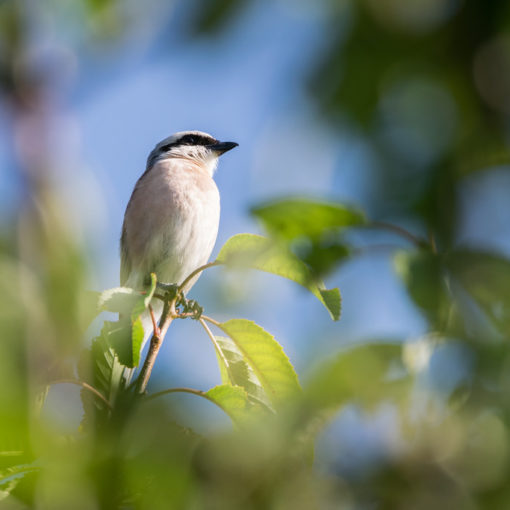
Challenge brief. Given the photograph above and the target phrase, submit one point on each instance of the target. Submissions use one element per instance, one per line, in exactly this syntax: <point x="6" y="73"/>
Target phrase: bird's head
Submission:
<point x="196" y="146"/>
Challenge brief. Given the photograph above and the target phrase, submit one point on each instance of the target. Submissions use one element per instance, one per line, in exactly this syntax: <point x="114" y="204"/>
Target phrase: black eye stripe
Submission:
<point x="196" y="140"/>
<point x="189" y="140"/>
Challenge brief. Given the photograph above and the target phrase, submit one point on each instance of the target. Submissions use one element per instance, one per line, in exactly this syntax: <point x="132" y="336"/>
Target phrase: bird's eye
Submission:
<point x="166" y="148"/>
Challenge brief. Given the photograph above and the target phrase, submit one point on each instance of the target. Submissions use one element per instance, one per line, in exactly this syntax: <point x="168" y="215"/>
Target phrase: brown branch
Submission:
<point x="159" y="332"/>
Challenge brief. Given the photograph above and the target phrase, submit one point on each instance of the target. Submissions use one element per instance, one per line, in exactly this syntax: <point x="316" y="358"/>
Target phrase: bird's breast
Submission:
<point x="172" y="220"/>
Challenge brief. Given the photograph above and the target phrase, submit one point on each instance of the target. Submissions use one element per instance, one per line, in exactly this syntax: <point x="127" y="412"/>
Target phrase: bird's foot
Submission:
<point x="191" y="308"/>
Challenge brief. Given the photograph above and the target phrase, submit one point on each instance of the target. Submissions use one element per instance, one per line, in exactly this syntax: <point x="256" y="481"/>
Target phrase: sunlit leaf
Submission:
<point x="232" y="399"/>
<point x="118" y="299"/>
<point x="266" y="358"/>
<point x="298" y="217"/>
<point x="137" y="335"/>
<point x="237" y="372"/>
<point x="125" y="300"/>
<point x="257" y="252"/>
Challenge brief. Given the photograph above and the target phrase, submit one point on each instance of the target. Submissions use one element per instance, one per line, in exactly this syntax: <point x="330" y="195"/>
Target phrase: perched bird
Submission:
<point x="171" y="220"/>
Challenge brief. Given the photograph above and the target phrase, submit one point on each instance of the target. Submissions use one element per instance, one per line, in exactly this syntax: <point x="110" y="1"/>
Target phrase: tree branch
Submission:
<point x="158" y="336"/>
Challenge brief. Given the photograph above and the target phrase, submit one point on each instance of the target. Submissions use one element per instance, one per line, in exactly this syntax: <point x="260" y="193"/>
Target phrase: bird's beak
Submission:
<point x="222" y="147"/>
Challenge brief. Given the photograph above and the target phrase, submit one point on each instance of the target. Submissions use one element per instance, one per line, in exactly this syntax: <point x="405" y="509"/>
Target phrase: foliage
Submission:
<point x="423" y="85"/>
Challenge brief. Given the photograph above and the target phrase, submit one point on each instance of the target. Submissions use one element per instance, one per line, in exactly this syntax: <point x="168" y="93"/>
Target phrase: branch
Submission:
<point x="158" y="336"/>
<point x="159" y="332"/>
<point x="85" y="386"/>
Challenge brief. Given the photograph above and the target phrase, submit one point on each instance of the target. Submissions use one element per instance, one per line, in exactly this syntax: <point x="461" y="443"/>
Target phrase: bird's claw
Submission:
<point x="190" y="306"/>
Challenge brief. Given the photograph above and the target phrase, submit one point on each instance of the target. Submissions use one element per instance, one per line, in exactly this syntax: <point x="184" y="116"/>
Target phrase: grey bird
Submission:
<point x="171" y="220"/>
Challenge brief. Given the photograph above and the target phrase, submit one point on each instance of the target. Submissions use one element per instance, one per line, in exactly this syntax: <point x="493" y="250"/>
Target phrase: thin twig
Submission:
<point x="190" y="277"/>
<point x="198" y="393"/>
<point x="176" y="390"/>
<point x="153" y="319"/>
<point x="218" y="349"/>
<point x="398" y="230"/>
<point x="85" y="386"/>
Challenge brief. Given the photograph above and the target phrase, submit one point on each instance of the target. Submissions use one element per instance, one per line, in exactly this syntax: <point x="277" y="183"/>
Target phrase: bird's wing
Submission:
<point x="125" y="261"/>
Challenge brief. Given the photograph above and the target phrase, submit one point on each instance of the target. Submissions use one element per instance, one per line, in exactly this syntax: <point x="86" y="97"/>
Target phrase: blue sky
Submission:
<point x="246" y="86"/>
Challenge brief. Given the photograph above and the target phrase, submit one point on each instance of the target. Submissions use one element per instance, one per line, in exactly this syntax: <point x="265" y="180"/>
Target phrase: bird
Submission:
<point x="172" y="218"/>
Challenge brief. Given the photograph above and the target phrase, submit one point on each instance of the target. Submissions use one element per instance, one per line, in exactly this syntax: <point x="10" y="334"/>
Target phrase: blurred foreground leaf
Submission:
<point x="486" y="277"/>
<point x="425" y="277"/>
<point x="11" y="476"/>
<point x="257" y="252"/>
<point x="232" y="399"/>
<point x="363" y="374"/>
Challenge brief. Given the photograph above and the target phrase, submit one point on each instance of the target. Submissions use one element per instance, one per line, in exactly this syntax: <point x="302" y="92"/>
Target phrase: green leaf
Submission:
<point x="118" y="300"/>
<point x="293" y="218"/>
<point x="137" y="334"/>
<point x="266" y="358"/>
<point x="361" y="374"/>
<point x="126" y="335"/>
<point x="232" y="399"/>
<point x="425" y="277"/>
<point x="486" y="277"/>
<point x="257" y="252"/>
<point x="101" y="367"/>
<point x="237" y="372"/>
<point x="126" y="301"/>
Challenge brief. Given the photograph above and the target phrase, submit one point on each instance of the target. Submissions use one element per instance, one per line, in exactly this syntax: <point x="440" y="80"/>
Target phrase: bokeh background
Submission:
<point x="398" y="108"/>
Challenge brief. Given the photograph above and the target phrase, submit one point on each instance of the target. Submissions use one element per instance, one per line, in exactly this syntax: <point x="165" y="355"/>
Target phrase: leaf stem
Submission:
<point x="419" y="242"/>
<point x="198" y="270"/>
<point x="218" y="350"/>
<point x="211" y="320"/>
<point x="192" y="391"/>
<point x="85" y="386"/>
